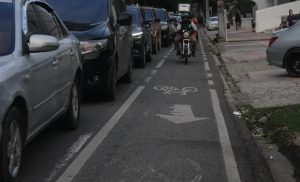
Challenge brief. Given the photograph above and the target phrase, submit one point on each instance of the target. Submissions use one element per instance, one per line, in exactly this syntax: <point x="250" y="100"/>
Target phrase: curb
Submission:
<point x="259" y="167"/>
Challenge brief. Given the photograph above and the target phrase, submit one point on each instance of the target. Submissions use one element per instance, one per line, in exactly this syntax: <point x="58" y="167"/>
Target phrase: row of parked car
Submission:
<point x="151" y="30"/>
<point x="51" y="52"/>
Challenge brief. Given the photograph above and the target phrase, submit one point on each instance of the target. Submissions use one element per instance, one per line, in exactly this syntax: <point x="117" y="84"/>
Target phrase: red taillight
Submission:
<point x="272" y="40"/>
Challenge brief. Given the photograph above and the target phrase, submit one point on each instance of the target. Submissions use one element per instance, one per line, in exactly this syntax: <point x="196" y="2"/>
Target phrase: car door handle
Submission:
<point x="55" y="62"/>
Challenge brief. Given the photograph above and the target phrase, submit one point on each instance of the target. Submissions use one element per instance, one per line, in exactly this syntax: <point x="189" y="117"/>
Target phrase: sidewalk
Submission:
<point x="259" y="85"/>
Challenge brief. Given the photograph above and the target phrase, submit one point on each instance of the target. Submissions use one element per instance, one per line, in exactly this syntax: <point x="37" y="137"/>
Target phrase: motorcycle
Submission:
<point x="185" y="46"/>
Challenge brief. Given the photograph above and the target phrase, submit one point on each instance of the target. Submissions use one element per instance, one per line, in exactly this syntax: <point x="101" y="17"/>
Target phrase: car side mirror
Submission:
<point x="156" y="20"/>
<point x="42" y="43"/>
<point x="125" y="19"/>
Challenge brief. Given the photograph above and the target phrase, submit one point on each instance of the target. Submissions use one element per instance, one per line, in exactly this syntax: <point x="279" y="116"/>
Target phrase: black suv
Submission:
<point x="141" y="34"/>
<point x="166" y="30"/>
<point x="104" y="30"/>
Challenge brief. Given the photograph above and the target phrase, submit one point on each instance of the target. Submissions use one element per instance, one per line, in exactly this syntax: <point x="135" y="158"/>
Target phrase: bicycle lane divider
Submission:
<point x="162" y="61"/>
<point x="74" y="168"/>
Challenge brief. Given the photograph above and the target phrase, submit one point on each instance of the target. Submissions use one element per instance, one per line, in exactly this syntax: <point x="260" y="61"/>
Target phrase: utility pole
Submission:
<point x="222" y="23"/>
<point x="206" y="10"/>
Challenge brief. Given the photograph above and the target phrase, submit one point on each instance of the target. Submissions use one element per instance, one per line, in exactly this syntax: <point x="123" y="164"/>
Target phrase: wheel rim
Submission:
<point x="296" y="66"/>
<point x="75" y="101"/>
<point x="14" y="149"/>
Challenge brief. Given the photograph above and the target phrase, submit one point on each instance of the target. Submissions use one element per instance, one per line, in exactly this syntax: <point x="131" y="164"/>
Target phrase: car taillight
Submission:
<point x="272" y="40"/>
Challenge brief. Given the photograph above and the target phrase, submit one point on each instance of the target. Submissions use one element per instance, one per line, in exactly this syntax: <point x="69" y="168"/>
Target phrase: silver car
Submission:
<point x="212" y="23"/>
<point x="284" y="49"/>
<point x="40" y="72"/>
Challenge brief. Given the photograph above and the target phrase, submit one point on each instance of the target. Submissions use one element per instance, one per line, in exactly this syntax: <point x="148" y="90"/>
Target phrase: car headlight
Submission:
<point x="186" y="35"/>
<point x="164" y="27"/>
<point x="137" y="35"/>
<point x="92" y="45"/>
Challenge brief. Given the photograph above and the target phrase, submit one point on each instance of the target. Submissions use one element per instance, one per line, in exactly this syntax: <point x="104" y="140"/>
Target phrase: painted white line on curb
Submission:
<point x="160" y="63"/>
<point x="69" y="155"/>
<point x="87" y="152"/>
<point x="148" y="79"/>
<point x="217" y="62"/>
<point x="209" y="75"/>
<point x="153" y="72"/>
<point x="229" y="159"/>
<point x="207" y="68"/>
<point x="211" y="83"/>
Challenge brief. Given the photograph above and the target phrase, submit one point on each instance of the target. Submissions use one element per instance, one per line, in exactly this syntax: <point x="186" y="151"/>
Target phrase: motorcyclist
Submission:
<point x="186" y="24"/>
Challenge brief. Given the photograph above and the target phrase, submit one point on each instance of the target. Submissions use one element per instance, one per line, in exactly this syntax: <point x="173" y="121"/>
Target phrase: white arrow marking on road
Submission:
<point x="182" y="114"/>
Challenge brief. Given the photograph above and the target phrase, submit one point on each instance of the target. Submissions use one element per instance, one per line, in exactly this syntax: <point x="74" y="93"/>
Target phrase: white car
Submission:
<point x="212" y="23"/>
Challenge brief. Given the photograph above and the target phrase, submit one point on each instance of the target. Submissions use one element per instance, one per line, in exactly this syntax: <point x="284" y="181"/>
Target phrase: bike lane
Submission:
<point x="168" y="133"/>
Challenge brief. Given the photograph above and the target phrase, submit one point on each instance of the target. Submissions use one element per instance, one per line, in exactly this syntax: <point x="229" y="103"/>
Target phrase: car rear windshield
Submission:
<point x="135" y="16"/>
<point x="81" y="12"/>
<point x="214" y="19"/>
<point x="148" y="14"/>
<point x="161" y="15"/>
<point x="7" y="28"/>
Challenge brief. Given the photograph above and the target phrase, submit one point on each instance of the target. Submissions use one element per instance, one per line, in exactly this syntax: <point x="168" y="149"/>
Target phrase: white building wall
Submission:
<point x="270" y="18"/>
<point x="262" y="4"/>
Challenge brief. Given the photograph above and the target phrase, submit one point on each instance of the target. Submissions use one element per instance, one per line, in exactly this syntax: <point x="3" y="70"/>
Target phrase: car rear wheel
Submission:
<point x="11" y="146"/>
<point x="292" y="65"/>
<point x="71" y="117"/>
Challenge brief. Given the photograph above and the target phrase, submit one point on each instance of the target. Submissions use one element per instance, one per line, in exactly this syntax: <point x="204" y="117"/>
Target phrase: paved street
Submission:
<point x="172" y="124"/>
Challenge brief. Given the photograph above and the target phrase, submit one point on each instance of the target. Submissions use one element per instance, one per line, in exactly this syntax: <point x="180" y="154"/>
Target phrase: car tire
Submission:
<point x="142" y="60"/>
<point x="71" y="117"/>
<point x="148" y="56"/>
<point x="159" y="44"/>
<point x="292" y="65"/>
<point x="154" y="47"/>
<point x="111" y="92"/>
<point x="127" y="78"/>
<point x="12" y="137"/>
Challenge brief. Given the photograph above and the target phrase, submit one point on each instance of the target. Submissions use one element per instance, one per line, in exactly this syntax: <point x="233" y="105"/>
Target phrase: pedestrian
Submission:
<point x="291" y="19"/>
<point x="238" y="20"/>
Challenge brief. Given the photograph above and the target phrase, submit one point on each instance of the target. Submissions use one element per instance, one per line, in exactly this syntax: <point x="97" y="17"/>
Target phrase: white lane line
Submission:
<point x="207" y="68"/>
<point x="153" y="72"/>
<point x="229" y="159"/>
<point x="86" y="153"/>
<point x="148" y="79"/>
<point x="209" y="75"/>
<point x="211" y="83"/>
<point x="205" y="59"/>
<point x="160" y="63"/>
<point x="217" y="62"/>
<point x="69" y="155"/>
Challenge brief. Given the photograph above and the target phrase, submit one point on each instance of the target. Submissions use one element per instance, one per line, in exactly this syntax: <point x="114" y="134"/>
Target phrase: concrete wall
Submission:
<point x="262" y="4"/>
<point x="270" y="18"/>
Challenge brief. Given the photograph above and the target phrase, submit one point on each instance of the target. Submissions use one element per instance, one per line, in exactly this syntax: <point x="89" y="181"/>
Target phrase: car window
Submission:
<point x="80" y="12"/>
<point x="148" y="14"/>
<point x="7" y="29"/>
<point x="33" y="24"/>
<point x="136" y="20"/>
<point x="161" y="15"/>
<point x="62" y="31"/>
<point x="47" y="21"/>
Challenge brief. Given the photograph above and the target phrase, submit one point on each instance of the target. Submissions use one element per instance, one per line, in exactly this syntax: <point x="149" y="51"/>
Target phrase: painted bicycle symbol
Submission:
<point x="173" y="90"/>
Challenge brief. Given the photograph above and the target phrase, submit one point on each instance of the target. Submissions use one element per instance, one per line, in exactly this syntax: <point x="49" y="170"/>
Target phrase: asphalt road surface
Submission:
<point x="172" y="124"/>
